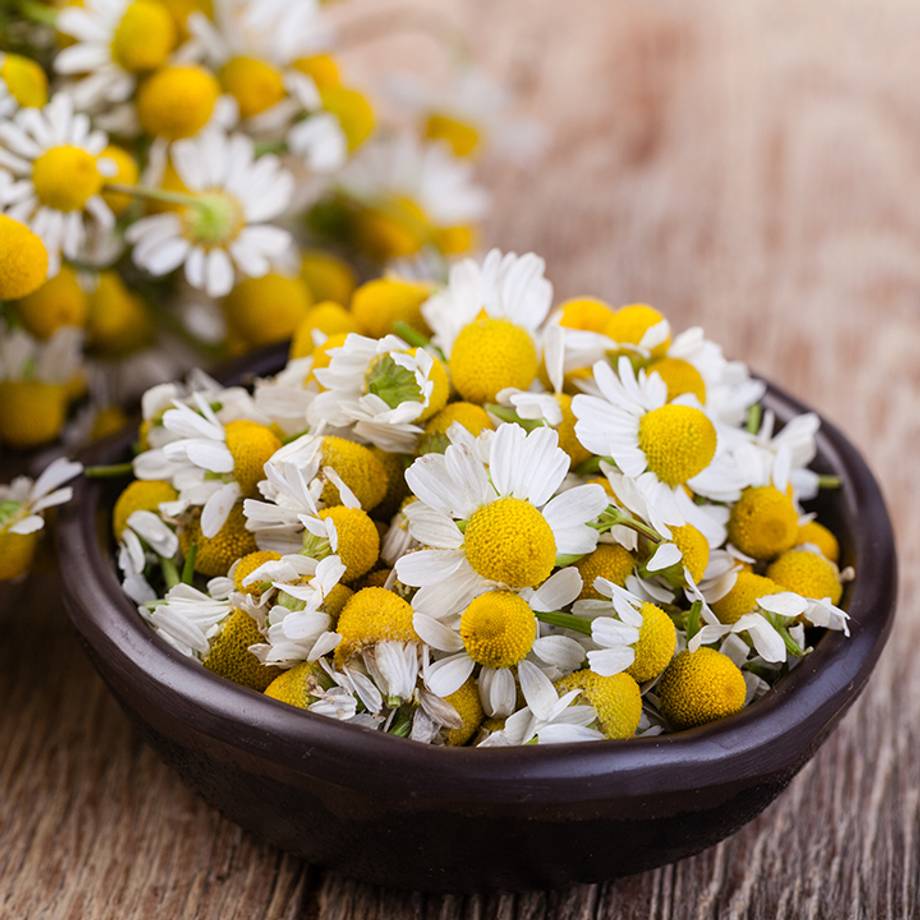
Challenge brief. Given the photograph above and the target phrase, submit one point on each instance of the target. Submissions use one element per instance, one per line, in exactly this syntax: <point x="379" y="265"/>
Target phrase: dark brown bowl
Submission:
<point x="399" y="813"/>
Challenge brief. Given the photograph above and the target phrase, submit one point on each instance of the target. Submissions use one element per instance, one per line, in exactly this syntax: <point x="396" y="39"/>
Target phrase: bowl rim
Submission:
<point x="765" y="738"/>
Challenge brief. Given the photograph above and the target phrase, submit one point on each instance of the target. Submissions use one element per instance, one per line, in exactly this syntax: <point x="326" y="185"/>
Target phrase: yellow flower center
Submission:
<point x="629" y="324"/>
<point x="694" y="547"/>
<point x="255" y="84"/>
<point x="616" y="699"/>
<point x="358" y="539"/>
<point x="23" y="259"/>
<point x="327" y="318"/>
<point x="267" y="309"/>
<point x="808" y="574"/>
<point x="251" y="445"/>
<point x="699" y="687"/>
<point x="498" y="629"/>
<point x="117" y="321"/>
<point x="489" y="355"/>
<point x="509" y="541"/>
<point x="440" y="390"/>
<point x="25" y="80"/>
<point x="360" y="470"/>
<point x="295" y="686"/>
<point x="473" y="418"/>
<point x="66" y="177"/>
<point x="229" y="654"/>
<point x="680" y="377"/>
<point x="16" y="553"/>
<point x="328" y="277"/>
<point x="655" y="648"/>
<point x="455" y="240"/>
<point x="373" y="615"/>
<point x="818" y="535"/>
<point x="468" y="706"/>
<point x="763" y="522"/>
<point x="608" y="561"/>
<point x="60" y="301"/>
<point x="32" y="412"/>
<point x="323" y="69"/>
<point x="587" y="314"/>
<point x="566" y="431"/>
<point x="177" y="101"/>
<point x="378" y="305"/>
<point x="247" y="565"/>
<point x="678" y="442"/>
<point x="140" y="495"/>
<point x="353" y="110"/>
<point x="144" y="37"/>
<point x="216" y="554"/>
<point x="393" y="228"/>
<point x="461" y="136"/>
<point x="126" y="173"/>
<point x="322" y="354"/>
<point x="215" y="220"/>
<point x="742" y="598"/>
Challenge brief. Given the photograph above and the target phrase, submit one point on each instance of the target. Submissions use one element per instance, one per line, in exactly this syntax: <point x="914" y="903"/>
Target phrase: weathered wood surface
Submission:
<point x="753" y="167"/>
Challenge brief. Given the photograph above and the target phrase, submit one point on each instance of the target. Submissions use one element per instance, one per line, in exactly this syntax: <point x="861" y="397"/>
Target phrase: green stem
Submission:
<point x="170" y="572"/>
<point x="614" y="516"/>
<point x="263" y="147"/>
<point x="410" y="334"/>
<point x="112" y="471"/>
<point x="693" y="619"/>
<point x="188" y="566"/>
<point x="154" y="194"/>
<point x="507" y="414"/>
<point x="565" y="620"/>
<point x="590" y="466"/>
<point x="829" y="482"/>
<point x="754" y="416"/>
<point x="38" y="12"/>
<point x="791" y="645"/>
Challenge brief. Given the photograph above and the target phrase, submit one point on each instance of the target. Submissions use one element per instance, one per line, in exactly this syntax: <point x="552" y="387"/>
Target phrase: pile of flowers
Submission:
<point x="202" y="176"/>
<point x="469" y="516"/>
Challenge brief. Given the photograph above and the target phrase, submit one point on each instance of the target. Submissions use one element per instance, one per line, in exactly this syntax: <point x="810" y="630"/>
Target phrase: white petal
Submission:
<point x="664" y="557"/>
<point x="558" y="590"/>
<point x="217" y="509"/>
<point x="449" y="674"/>
<point x="609" y="661"/>
<point x="436" y="634"/>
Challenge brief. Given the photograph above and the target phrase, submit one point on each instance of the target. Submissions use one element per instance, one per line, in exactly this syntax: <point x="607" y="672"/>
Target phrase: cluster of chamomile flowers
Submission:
<point x="201" y="173"/>
<point x="467" y="516"/>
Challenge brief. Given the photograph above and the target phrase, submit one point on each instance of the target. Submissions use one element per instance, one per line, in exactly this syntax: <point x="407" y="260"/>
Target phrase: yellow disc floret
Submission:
<point x="23" y="259"/>
<point x="216" y="554"/>
<point x="336" y="600"/>
<point x="694" y="548"/>
<point x="586" y="313"/>
<point x="808" y="574"/>
<point x="17" y="550"/>
<point x="397" y="489"/>
<point x="360" y="470"/>
<point x="140" y="495"/>
<point x="267" y="309"/>
<point x="144" y="37"/>
<point x="630" y="323"/>
<point x="247" y="565"/>
<point x="440" y="390"/>
<point x="510" y="542"/>
<point x="566" y="431"/>
<point x="700" y="687"/>
<point x="255" y="84"/>
<point x="818" y="535"/>
<point x="25" y="80"/>
<point x="743" y="596"/>
<point x="66" y="177"/>
<point x="473" y="418"/>
<point x="460" y="135"/>
<point x="373" y="615"/>
<point x="322" y="354"/>
<point x="327" y="276"/>
<point x="120" y="167"/>
<point x="378" y="305"/>
<point x="655" y="648"/>
<point x="678" y="442"/>
<point x="327" y="318"/>
<point x="60" y="301"/>
<point x="469" y="708"/>
<point x="498" y="629"/>
<point x="680" y="377"/>
<point x="489" y="355"/>
<point x="763" y="522"/>
<point x="323" y="69"/>
<point x="177" y="101"/>
<point x="31" y="412"/>
<point x="251" y="445"/>
<point x="229" y="654"/>
<point x="353" y="111"/>
<point x="117" y="320"/>
<point x="358" y="539"/>
<point x="608" y="561"/>
<point x="616" y="700"/>
<point x="296" y="687"/>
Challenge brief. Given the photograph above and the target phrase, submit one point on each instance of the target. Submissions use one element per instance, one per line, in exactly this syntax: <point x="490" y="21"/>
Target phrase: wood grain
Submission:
<point x="751" y="167"/>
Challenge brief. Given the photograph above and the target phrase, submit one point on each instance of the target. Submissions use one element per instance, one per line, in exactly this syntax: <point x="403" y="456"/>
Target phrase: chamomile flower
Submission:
<point x="22" y="504"/>
<point x="486" y="509"/>
<point x="381" y="388"/>
<point x="114" y="43"/>
<point x="410" y="195"/>
<point x="54" y="158"/>
<point x="224" y="230"/>
<point x="188" y="618"/>
<point x="499" y="632"/>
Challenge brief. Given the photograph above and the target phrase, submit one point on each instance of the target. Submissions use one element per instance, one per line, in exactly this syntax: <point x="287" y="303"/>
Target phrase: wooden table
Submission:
<point x="752" y="167"/>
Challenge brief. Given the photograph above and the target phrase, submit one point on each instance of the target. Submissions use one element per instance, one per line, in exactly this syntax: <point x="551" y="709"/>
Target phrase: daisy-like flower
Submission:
<point x="146" y="535"/>
<point x="210" y="463"/>
<point x="381" y="388"/>
<point x="54" y="158"/>
<point x="23" y="84"/>
<point x="114" y="43"/>
<point x="223" y="229"/>
<point x="412" y="195"/>
<point x="486" y="509"/>
<point x="22" y="506"/>
<point x="499" y="631"/>
<point x="188" y="618"/>
<point x="632" y="421"/>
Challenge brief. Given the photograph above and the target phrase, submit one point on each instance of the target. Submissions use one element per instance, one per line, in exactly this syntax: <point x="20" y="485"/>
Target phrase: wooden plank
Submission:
<point x="748" y="167"/>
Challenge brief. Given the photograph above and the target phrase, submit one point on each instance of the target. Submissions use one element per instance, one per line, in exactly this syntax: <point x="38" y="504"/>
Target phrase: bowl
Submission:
<point x="398" y="813"/>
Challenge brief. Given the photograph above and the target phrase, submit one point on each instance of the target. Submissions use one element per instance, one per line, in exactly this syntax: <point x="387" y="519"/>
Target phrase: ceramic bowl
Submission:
<point x="398" y="813"/>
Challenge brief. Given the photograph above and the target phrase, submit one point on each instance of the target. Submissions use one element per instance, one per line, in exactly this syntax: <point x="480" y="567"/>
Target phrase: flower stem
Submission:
<point x="565" y="620"/>
<point x="112" y="471"/>
<point x="38" y="12"/>
<point x="614" y="516"/>
<point x="829" y="482"/>
<point x="693" y="619"/>
<point x="188" y="566"/>
<point x="507" y="414"/>
<point x="410" y="334"/>
<point x="754" y="416"/>
<point x="154" y="194"/>
<point x="170" y="572"/>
